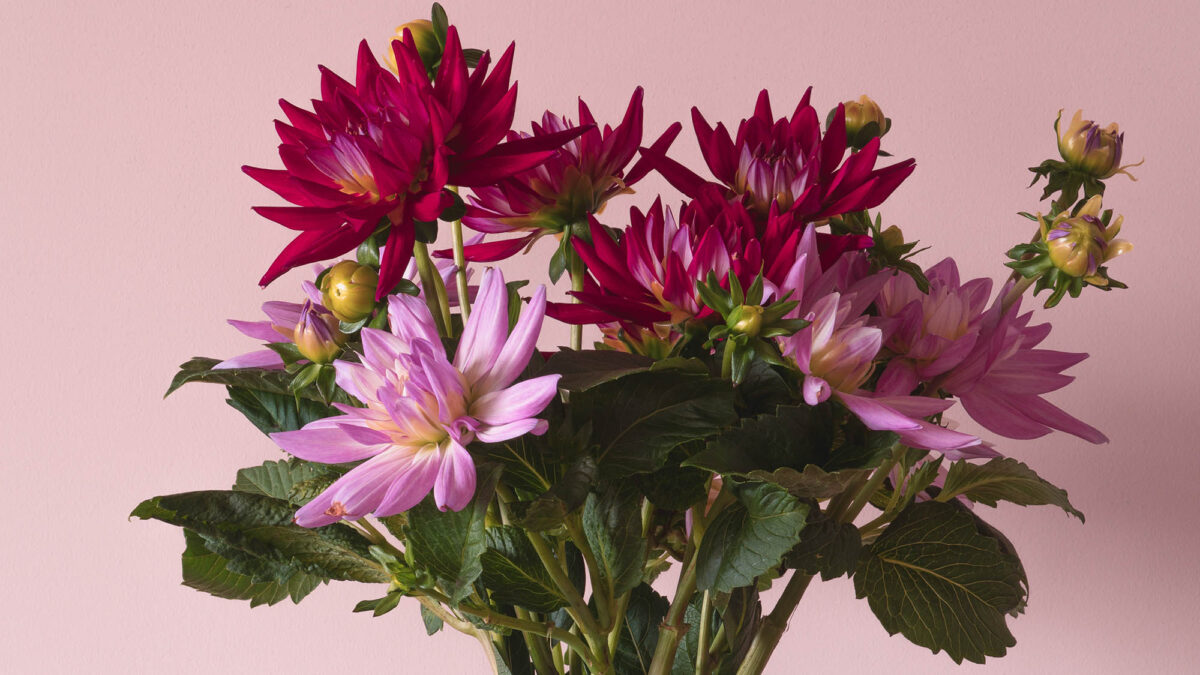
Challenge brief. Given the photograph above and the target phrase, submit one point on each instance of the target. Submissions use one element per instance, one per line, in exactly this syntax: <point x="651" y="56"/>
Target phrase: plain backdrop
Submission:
<point x="128" y="240"/>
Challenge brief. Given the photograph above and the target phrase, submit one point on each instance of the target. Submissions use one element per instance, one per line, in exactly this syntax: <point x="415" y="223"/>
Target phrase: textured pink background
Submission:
<point x="128" y="240"/>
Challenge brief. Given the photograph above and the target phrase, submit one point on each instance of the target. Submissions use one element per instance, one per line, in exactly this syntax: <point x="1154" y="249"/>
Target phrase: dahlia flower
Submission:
<point x="1078" y="245"/>
<point x="385" y="147"/>
<point x="422" y="410"/>
<point x="929" y="333"/>
<point x="788" y="163"/>
<point x="836" y="353"/>
<point x="1000" y="382"/>
<point x="574" y="183"/>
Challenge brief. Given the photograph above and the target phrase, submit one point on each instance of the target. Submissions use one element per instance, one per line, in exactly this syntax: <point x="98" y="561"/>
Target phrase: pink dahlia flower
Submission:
<point x="1002" y="379"/>
<point x="280" y="326"/>
<point x="386" y="146"/>
<point x="788" y="163"/>
<point x="422" y="410"/>
<point x="929" y="333"/>
<point x="574" y="183"/>
<point x="836" y="353"/>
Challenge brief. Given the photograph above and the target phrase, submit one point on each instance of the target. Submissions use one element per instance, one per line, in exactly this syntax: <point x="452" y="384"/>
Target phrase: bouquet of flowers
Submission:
<point x="768" y="404"/>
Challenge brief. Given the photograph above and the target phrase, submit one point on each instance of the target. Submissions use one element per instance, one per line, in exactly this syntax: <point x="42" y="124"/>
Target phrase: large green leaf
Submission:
<point x="582" y="370"/>
<point x="286" y="479"/>
<point x="639" y="632"/>
<point x="813" y="482"/>
<point x="675" y="487"/>
<point x="256" y="530"/>
<point x="826" y="547"/>
<point x="612" y="523"/>
<point x="515" y="575"/>
<point x="271" y="412"/>
<point x="450" y="544"/>
<point x="938" y="576"/>
<point x="1002" y="479"/>
<point x="749" y="537"/>
<point x="638" y="419"/>
<point x="206" y="571"/>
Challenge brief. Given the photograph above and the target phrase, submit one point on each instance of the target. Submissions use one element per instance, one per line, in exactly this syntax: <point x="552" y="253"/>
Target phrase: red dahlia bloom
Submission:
<point x="788" y="163"/>
<point x="575" y="182"/>
<point x="386" y="146"/>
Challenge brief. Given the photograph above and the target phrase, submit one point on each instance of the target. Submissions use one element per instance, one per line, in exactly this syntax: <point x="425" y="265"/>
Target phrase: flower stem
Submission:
<point x="602" y="591"/>
<point x="434" y="289"/>
<point x="1016" y="292"/>
<point x="673" y="628"/>
<point x="774" y="625"/>
<point x="460" y="275"/>
<point x="702" y="642"/>
<point x="577" y="271"/>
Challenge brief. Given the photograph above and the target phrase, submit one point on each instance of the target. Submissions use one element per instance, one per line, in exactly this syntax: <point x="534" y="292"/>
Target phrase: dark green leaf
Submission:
<point x="612" y="523"/>
<point x="206" y="571"/>
<point x="637" y="420"/>
<point x="939" y="577"/>
<point x="380" y="606"/>
<point x="515" y="575"/>
<point x="749" y="537"/>
<point x="199" y="369"/>
<point x="1002" y="479"/>
<point x="548" y="510"/>
<point x="450" y="544"/>
<point x="259" y="529"/>
<point x="793" y="436"/>
<point x="741" y="614"/>
<point x="812" y="483"/>
<point x="433" y="622"/>
<point x="272" y="413"/>
<point x="582" y="370"/>
<point x="826" y="547"/>
<point x="675" y="487"/>
<point x="280" y="479"/>
<point x="639" y="633"/>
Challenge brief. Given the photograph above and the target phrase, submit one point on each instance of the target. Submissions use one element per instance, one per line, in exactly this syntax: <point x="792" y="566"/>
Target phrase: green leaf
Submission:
<point x="280" y="479"/>
<point x="812" y="483"/>
<point x="740" y="613"/>
<point x="433" y="622"/>
<point x="826" y="547"/>
<point x="258" y="530"/>
<point x="515" y="575"/>
<point x="271" y="413"/>
<point x="199" y="369"/>
<point x="675" y="487"/>
<point x="206" y="571"/>
<point x="548" y="510"/>
<point x="583" y="370"/>
<point x="639" y="633"/>
<point x="1004" y="479"/>
<point x="450" y="544"/>
<point x="749" y="537"/>
<point x="939" y="577"/>
<point x="380" y="606"/>
<point x="637" y="420"/>
<point x="612" y="523"/>
<point x="792" y="436"/>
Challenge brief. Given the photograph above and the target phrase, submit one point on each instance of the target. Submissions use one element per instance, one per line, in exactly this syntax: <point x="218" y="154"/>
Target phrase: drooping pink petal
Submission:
<point x="503" y="432"/>
<point x="455" y="484"/>
<point x="486" y="330"/>
<point x="876" y="415"/>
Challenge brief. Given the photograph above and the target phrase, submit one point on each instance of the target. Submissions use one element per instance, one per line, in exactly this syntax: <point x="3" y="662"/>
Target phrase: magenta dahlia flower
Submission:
<point x="574" y="183"/>
<point x="422" y="410"/>
<point x="929" y="333"/>
<point x="1001" y="381"/>
<point x="836" y="353"/>
<point x="386" y="146"/>
<point x="788" y="163"/>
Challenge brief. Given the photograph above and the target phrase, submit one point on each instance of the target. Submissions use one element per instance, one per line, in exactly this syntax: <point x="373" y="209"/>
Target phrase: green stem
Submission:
<point x="577" y="271"/>
<point x="434" y="289"/>
<point x="727" y="361"/>
<point x="614" y="636"/>
<point x="705" y="627"/>
<point x="1016" y="292"/>
<point x="460" y="275"/>
<point x="602" y="590"/>
<point x="673" y="628"/>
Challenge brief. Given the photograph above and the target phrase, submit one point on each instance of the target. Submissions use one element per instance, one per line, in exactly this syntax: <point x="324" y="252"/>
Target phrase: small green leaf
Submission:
<point x="939" y="577"/>
<point x="749" y="537"/>
<point x="433" y="622"/>
<point x="199" y="369"/>
<point x="1002" y="479"/>
<point x="639" y="633"/>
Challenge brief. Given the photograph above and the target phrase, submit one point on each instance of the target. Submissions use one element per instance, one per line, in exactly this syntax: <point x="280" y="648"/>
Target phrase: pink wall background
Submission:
<point x="128" y="239"/>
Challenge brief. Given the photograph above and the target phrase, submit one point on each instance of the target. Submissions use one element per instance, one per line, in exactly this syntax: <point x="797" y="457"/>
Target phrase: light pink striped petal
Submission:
<point x="283" y="314"/>
<point x="265" y="358"/>
<point x="523" y="399"/>
<point x="409" y="319"/>
<point x="357" y="380"/>
<point x="411" y="485"/>
<point x="952" y="444"/>
<point x="916" y="406"/>
<point x="486" y="331"/>
<point x="313" y="514"/>
<point x="455" y="484"/>
<point x="876" y="415"/>
<point x="259" y="330"/>
<point x="503" y="432"/>
<point x="519" y="347"/>
<point x="816" y="390"/>
<point x="325" y="445"/>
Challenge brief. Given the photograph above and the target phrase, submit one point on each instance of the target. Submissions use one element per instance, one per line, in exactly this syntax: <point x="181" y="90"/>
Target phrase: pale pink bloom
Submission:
<point x="422" y="410"/>
<point x="836" y="353"/>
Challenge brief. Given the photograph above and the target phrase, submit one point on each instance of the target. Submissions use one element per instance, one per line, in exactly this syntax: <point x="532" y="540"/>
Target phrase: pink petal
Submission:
<point x="325" y="445"/>
<point x="259" y="330"/>
<point x="876" y="415"/>
<point x="484" y="335"/>
<point x="524" y="399"/>
<point x="504" y="432"/>
<point x="455" y="484"/>
<point x="519" y="347"/>
<point x="410" y="485"/>
<point x="261" y="359"/>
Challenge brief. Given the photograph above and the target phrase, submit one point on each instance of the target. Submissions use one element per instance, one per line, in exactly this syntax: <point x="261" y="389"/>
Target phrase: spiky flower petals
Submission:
<point x="422" y="410"/>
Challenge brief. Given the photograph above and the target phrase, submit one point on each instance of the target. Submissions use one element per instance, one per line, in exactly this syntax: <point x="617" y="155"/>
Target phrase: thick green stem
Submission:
<point x="727" y="361"/>
<point x="460" y="275"/>
<point x="705" y="627"/>
<point x="602" y="590"/>
<point x="433" y="288"/>
<point x="1016" y="292"/>
<point x="577" y="271"/>
<point x="673" y="628"/>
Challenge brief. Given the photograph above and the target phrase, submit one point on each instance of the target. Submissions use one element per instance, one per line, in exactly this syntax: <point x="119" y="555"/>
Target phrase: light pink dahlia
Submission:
<point x="422" y="410"/>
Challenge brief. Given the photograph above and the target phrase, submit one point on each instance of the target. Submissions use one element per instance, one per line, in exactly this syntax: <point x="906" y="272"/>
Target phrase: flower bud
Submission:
<point x="862" y="112"/>
<point x="424" y="38"/>
<point x="317" y="336"/>
<point x="348" y="290"/>
<point x="1079" y="244"/>
<point x="1088" y="148"/>
<point x="891" y="237"/>
<point x="746" y="320"/>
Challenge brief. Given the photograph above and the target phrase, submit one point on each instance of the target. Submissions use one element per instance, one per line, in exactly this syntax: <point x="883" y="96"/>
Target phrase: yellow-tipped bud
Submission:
<point x="1079" y="244"/>
<point x="424" y="39"/>
<point x="747" y="320"/>
<point x="862" y="112"/>
<point x="317" y="336"/>
<point x="1088" y="148"/>
<point x="348" y="290"/>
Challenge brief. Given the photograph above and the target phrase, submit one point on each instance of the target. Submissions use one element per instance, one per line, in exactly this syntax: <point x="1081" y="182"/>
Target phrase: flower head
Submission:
<point x="1088" y="148"/>
<point x="348" y="290"/>
<point x="316" y="335"/>
<point x="280" y="326"/>
<point x="1078" y="245"/>
<point x="422" y="410"/>
<point x="381" y="150"/>
<point x="788" y="163"/>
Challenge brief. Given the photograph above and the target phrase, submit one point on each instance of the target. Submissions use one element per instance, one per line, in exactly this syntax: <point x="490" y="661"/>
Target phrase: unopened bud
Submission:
<point x="1079" y="244"/>
<point x="862" y="112"/>
<point x="1088" y="148"/>
<point x="316" y="335"/>
<point x="891" y="237"/>
<point x="424" y="39"/>
<point x="348" y="290"/>
<point x="747" y="320"/>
